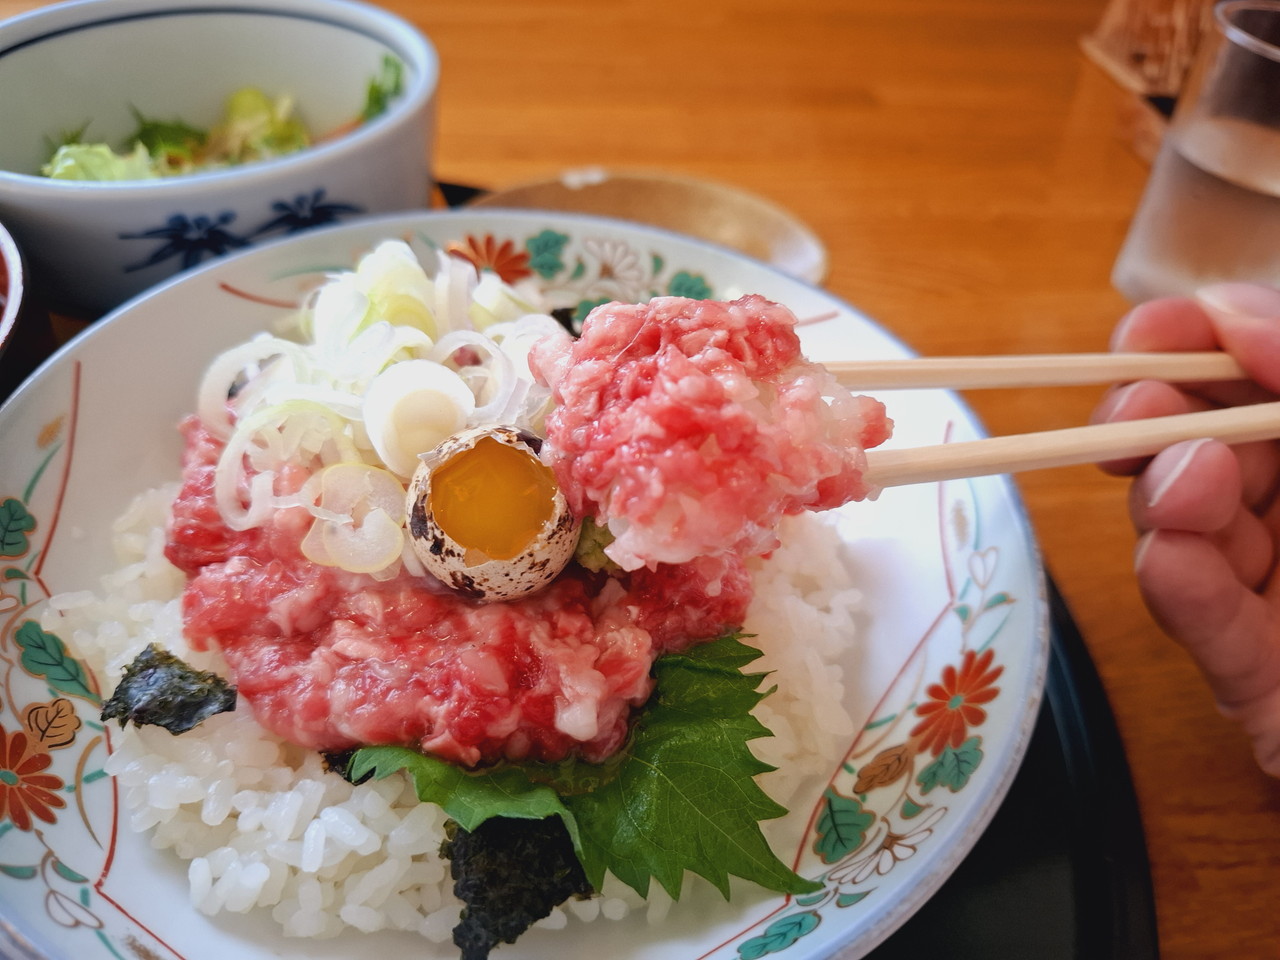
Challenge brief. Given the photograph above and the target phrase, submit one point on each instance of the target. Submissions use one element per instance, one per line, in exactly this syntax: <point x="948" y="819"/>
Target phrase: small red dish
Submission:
<point x="26" y="335"/>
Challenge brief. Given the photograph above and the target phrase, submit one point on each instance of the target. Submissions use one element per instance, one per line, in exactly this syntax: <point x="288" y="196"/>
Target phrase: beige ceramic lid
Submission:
<point x="700" y="208"/>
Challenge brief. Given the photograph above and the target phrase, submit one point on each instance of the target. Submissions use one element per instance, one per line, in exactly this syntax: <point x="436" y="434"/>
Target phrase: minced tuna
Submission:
<point x="690" y="427"/>
<point x="330" y="659"/>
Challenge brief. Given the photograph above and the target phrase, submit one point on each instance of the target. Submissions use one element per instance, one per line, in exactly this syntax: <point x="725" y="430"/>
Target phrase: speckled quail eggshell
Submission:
<point x="493" y="580"/>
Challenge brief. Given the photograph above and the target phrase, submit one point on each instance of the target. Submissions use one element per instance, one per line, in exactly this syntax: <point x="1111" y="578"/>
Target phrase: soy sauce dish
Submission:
<point x="26" y="337"/>
<point x="359" y="81"/>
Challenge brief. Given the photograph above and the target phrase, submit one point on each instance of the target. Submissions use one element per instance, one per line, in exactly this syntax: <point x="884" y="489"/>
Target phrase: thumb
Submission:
<point x="1230" y="631"/>
<point x="1246" y="317"/>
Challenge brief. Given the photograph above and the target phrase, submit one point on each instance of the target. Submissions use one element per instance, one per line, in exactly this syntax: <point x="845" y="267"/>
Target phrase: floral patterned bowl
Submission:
<point x="944" y="679"/>
<point x="93" y="245"/>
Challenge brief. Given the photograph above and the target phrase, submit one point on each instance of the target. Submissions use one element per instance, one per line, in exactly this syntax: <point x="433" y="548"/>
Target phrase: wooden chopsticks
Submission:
<point x="1074" y="445"/>
<point x="1054" y="448"/>
<point x="1033" y="370"/>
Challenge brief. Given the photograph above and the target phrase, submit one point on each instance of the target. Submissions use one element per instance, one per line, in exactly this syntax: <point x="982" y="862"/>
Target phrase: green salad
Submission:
<point x="254" y="126"/>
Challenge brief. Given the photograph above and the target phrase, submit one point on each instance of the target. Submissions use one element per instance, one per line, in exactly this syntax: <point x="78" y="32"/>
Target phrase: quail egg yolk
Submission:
<point x="493" y="497"/>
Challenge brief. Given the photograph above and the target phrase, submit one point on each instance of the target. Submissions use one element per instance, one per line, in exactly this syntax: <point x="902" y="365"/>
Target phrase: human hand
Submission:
<point x="1207" y="514"/>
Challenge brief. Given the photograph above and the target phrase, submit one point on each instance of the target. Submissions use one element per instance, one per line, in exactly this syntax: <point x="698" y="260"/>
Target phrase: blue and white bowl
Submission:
<point x="93" y="245"/>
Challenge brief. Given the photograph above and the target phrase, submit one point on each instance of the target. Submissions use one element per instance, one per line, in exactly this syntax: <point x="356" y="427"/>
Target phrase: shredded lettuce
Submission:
<point x="383" y="88"/>
<point x="256" y="127"/>
<point x="253" y="127"/>
<point x="98" y="162"/>
<point x="172" y="143"/>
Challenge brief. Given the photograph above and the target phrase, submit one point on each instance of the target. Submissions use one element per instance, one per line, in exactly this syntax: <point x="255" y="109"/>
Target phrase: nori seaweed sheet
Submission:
<point x="160" y="688"/>
<point x="339" y="762"/>
<point x="509" y="873"/>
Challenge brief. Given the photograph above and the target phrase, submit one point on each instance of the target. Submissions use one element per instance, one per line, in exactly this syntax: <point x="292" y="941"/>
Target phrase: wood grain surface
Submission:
<point x="964" y="163"/>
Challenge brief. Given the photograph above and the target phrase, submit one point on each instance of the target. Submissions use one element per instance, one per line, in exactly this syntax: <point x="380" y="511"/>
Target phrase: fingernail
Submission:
<point x="1246" y="317"/>
<point x="1114" y="404"/>
<point x="1121" y="331"/>
<point x="1244" y="300"/>
<point x="1179" y="467"/>
<point x="1141" y="547"/>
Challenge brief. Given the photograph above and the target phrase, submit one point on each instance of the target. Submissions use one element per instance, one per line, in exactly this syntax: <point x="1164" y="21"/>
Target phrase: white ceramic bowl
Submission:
<point x="718" y="212"/>
<point x="952" y="587"/>
<point x="93" y="245"/>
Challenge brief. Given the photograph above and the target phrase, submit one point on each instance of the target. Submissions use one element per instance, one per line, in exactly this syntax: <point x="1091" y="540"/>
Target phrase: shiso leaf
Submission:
<point x="682" y="796"/>
<point x="469" y="798"/>
<point x="687" y="798"/>
<point x="160" y="688"/>
<point x="509" y="873"/>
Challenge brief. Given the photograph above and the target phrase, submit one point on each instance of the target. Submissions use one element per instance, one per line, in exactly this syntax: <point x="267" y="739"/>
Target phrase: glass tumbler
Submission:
<point x="1211" y="208"/>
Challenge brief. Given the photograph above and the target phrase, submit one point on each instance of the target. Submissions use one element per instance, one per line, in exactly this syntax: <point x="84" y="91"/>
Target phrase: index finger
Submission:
<point x="1174" y="324"/>
<point x="1166" y="324"/>
<point x="1246" y="320"/>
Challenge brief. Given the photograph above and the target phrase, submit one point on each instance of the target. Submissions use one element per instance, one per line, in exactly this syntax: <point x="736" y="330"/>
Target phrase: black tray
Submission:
<point x="1061" y="872"/>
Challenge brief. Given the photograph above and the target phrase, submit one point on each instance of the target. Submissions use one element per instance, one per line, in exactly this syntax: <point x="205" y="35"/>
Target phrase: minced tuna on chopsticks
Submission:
<point x="690" y="427"/>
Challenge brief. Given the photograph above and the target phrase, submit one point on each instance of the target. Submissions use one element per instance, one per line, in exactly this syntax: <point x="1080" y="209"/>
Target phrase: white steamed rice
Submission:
<point x="262" y="825"/>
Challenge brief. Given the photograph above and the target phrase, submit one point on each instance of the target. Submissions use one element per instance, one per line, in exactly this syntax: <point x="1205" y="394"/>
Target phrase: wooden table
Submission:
<point x="962" y="162"/>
